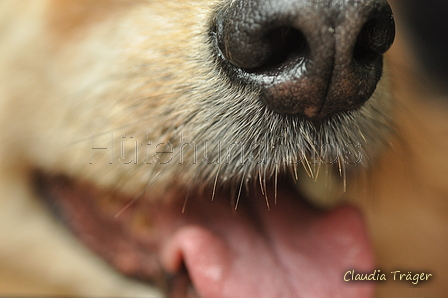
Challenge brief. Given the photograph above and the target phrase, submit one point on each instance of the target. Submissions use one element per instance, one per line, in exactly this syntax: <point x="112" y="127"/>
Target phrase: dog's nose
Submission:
<point x="308" y="57"/>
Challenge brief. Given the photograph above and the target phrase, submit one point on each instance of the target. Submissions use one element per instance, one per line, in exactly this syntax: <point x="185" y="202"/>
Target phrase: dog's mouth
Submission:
<point x="209" y="245"/>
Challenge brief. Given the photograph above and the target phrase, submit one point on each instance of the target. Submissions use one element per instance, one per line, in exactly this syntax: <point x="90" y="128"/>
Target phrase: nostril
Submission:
<point x="375" y="37"/>
<point x="258" y="50"/>
<point x="286" y="45"/>
<point x="363" y="51"/>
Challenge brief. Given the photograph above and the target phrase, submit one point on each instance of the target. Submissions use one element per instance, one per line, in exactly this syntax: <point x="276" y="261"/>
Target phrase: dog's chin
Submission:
<point x="250" y="242"/>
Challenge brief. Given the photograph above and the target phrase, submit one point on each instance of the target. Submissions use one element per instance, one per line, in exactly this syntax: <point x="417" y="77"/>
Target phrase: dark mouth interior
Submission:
<point x="77" y="206"/>
<point x="84" y="217"/>
<point x="132" y="234"/>
<point x="102" y="220"/>
<point x="180" y="285"/>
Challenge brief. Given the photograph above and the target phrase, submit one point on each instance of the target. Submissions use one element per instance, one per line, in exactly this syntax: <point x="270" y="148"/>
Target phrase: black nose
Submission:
<point x="307" y="57"/>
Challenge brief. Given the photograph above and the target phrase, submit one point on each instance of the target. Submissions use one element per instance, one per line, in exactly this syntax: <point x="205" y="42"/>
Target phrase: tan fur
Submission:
<point x="76" y="71"/>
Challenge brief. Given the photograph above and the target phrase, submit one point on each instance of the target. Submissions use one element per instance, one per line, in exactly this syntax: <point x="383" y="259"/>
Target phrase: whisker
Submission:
<point x="265" y="190"/>
<point x="184" y="206"/>
<point x="307" y="168"/>
<point x="239" y="191"/>
<point x="215" y="182"/>
<point x="296" y="174"/>
<point x="150" y="182"/>
<point x="275" y="184"/>
<point x="261" y="183"/>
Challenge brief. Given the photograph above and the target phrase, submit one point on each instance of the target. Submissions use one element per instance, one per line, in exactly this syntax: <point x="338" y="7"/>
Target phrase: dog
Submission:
<point x="223" y="148"/>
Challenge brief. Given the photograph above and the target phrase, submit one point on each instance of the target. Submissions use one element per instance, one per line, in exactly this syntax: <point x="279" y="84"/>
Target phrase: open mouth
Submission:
<point x="210" y="243"/>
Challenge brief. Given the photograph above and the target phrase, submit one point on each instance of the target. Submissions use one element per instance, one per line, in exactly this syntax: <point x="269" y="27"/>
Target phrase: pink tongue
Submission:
<point x="289" y="251"/>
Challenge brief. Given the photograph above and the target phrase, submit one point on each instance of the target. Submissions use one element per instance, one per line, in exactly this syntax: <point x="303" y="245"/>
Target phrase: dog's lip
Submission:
<point x="291" y="250"/>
